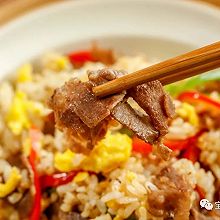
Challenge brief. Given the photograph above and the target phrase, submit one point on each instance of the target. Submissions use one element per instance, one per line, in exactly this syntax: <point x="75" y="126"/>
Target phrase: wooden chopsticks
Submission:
<point x="169" y="71"/>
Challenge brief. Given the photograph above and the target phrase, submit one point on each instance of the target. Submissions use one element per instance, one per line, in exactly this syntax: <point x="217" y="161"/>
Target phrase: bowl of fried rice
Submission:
<point x="64" y="155"/>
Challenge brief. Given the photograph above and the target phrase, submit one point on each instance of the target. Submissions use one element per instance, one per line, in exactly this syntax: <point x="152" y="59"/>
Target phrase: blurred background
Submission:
<point x="10" y="9"/>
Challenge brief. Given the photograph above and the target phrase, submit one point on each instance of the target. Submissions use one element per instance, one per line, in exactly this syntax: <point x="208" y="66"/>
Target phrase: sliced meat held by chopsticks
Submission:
<point x="85" y="117"/>
<point x="155" y="102"/>
<point x="82" y="116"/>
<point x="132" y="119"/>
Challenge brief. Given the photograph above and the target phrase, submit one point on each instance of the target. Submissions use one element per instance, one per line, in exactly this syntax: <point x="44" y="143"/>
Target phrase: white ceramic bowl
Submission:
<point x="159" y="28"/>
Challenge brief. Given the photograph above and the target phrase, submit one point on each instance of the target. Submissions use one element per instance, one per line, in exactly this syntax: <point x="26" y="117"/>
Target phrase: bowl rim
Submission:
<point x="202" y="7"/>
<point x="11" y="58"/>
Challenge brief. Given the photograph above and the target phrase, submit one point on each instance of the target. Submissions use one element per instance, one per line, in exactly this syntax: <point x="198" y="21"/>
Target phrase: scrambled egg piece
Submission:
<point x="36" y="108"/>
<point x="56" y="62"/>
<point x="24" y="74"/>
<point x="64" y="161"/>
<point x="17" y="117"/>
<point x="112" y="204"/>
<point x="188" y="112"/>
<point x="81" y="177"/>
<point x="110" y="152"/>
<point x="11" y="183"/>
<point x="118" y="217"/>
<point x="26" y="146"/>
<point x="62" y="62"/>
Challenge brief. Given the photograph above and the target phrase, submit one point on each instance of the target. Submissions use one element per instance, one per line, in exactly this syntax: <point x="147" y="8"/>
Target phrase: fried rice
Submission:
<point x="113" y="182"/>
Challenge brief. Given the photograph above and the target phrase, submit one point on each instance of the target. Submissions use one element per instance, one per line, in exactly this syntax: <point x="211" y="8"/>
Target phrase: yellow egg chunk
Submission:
<point x="81" y="176"/>
<point x="36" y="108"/>
<point x="188" y="112"/>
<point x="56" y="62"/>
<point x="111" y="204"/>
<point x="110" y="152"/>
<point x="64" y="161"/>
<point x="24" y="73"/>
<point x="62" y="62"/>
<point x="17" y="118"/>
<point x="11" y="183"/>
<point x="26" y="146"/>
<point x="117" y="217"/>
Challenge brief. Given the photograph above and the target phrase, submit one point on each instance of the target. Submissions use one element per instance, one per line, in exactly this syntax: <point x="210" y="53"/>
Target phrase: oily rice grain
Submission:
<point x="132" y="190"/>
<point x="142" y="213"/>
<point x="15" y="197"/>
<point x="126" y="200"/>
<point x="101" y="206"/>
<point x="179" y="129"/>
<point x="104" y="217"/>
<point x="150" y="186"/>
<point x="139" y="187"/>
<point x="111" y="196"/>
<point x="130" y="209"/>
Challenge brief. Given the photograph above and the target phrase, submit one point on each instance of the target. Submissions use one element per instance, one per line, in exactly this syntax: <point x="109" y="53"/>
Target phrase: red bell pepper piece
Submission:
<point x="187" y="147"/>
<point x="176" y="145"/>
<point x="57" y="179"/>
<point x="36" y="210"/>
<point x="195" y="97"/>
<point x="200" y="191"/>
<point x="192" y="153"/>
<point x="140" y="146"/>
<point x="80" y="57"/>
<point x="145" y="148"/>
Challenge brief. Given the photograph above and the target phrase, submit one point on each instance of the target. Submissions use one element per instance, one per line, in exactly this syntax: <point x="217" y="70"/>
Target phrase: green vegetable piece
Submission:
<point x="192" y="83"/>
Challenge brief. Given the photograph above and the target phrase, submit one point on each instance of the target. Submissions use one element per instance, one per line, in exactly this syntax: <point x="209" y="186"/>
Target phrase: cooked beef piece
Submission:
<point x="49" y="124"/>
<point x="25" y="205"/>
<point x="16" y="160"/>
<point x="163" y="151"/>
<point x="168" y="106"/>
<point x="172" y="199"/>
<point x="77" y="97"/>
<point x="98" y="54"/>
<point x="79" y="132"/>
<point x="217" y="192"/>
<point x="104" y="75"/>
<point x="210" y="86"/>
<point x="155" y="102"/>
<point x="140" y="125"/>
<point x="79" y="113"/>
<point x="105" y="56"/>
<point x="70" y="216"/>
<point x="69" y="122"/>
<point x="198" y="215"/>
<point x="81" y="100"/>
<point x="88" y="138"/>
<point x="69" y="119"/>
